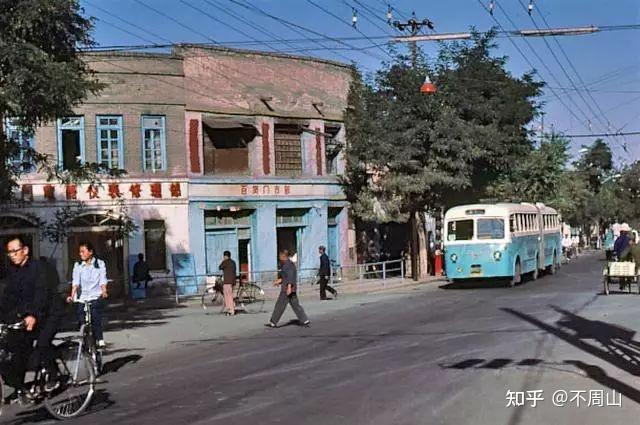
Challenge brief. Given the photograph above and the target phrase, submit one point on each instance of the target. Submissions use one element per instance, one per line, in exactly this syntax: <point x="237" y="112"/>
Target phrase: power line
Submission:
<point x="328" y="12"/>
<point x="515" y="45"/>
<point x="578" y="136"/>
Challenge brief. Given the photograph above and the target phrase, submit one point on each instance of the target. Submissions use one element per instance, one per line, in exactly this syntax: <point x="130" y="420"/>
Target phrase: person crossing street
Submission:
<point x="288" y="292"/>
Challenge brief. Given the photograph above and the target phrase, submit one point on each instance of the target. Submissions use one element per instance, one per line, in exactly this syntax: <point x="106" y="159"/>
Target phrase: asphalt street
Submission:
<point x="438" y="355"/>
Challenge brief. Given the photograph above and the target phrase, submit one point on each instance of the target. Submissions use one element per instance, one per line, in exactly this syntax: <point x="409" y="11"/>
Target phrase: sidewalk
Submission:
<point x="155" y="325"/>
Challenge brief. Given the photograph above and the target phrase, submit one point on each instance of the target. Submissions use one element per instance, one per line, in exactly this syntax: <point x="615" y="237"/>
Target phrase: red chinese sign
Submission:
<point x="176" y="192"/>
<point x="92" y="190"/>
<point x="72" y="192"/>
<point x="50" y="192"/>
<point x="114" y="190"/>
<point x="265" y="189"/>
<point x="156" y="190"/>
<point x="27" y="192"/>
<point x="135" y="190"/>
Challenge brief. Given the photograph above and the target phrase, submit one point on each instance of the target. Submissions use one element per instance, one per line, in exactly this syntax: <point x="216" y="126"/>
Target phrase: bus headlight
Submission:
<point x="454" y="258"/>
<point x="497" y="255"/>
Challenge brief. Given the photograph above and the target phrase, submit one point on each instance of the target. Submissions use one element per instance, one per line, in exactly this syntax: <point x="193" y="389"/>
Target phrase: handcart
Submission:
<point x="623" y="273"/>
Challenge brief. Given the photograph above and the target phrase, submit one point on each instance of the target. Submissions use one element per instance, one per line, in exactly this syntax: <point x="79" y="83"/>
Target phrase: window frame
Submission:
<point x="60" y="127"/>
<point x="119" y="127"/>
<point x="163" y="142"/>
<point x="10" y="127"/>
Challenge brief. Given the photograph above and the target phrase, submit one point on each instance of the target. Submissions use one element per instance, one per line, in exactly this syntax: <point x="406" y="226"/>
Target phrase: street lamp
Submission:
<point x="428" y="87"/>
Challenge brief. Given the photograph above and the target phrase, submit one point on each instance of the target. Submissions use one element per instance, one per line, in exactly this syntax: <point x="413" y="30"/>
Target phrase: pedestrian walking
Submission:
<point x="229" y="273"/>
<point x="288" y="292"/>
<point x="89" y="284"/>
<point x="141" y="272"/>
<point x="324" y="274"/>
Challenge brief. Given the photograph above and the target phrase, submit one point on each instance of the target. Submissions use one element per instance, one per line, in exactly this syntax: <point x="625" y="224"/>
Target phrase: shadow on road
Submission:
<point x="117" y="364"/>
<point x="611" y="343"/>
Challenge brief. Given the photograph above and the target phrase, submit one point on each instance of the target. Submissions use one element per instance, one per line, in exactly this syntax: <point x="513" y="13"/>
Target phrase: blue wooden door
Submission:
<point x="334" y="245"/>
<point x="216" y="243"/>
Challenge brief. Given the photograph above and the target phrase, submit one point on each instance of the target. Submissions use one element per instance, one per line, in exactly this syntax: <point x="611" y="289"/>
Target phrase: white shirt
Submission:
<point x="89" y="278"/>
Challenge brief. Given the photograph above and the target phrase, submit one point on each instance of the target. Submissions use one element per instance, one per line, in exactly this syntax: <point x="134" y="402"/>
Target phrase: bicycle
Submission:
<point x="88" y="340"/>
<point x="249" y="296"/>
<point x="72" y="371"/>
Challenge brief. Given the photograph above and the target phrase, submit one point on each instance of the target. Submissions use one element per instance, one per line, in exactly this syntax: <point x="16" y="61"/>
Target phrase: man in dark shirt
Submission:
<point x="141" y="272"/>
<point x="324" y="274"/>
<point x="288" y="282"/>
<point x="30" y="297"/>
<point x="229" y="273"/>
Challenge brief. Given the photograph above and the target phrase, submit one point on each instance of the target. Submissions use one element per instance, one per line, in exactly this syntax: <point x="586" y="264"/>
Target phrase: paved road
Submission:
<point x="429" y="356"/>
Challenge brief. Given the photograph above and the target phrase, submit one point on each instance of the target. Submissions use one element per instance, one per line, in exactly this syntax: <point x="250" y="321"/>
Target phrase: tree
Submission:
<point x="537" y="177"/>
<point x="596" y="163"/>
<point x="42" y="75"/>
<point x="409" y="153"/>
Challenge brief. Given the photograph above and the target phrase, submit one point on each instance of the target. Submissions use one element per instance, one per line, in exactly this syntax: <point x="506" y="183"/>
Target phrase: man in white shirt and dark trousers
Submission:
<point x="90" y="282"/>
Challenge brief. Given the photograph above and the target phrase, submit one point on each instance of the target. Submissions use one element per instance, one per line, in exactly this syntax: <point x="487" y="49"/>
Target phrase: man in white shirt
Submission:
<point x="90" y="282"/>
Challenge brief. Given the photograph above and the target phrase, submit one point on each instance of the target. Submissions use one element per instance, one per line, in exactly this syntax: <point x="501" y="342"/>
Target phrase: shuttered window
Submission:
<point x="288" y="150"/>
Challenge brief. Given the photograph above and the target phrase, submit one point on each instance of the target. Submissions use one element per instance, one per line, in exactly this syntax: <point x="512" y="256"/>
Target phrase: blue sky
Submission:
<point x="608" y="62"/>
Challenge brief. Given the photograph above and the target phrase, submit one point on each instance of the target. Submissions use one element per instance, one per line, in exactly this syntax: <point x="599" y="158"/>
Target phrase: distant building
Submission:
<point x="224" y="150"/>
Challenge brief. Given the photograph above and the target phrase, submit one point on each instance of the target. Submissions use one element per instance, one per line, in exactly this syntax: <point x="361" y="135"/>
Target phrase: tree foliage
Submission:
<point x="42" y="75"/>
<point x="409" y="151"/>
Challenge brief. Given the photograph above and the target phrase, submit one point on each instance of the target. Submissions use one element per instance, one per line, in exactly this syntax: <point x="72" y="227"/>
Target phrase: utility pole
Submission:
<point x="413" y="27"/>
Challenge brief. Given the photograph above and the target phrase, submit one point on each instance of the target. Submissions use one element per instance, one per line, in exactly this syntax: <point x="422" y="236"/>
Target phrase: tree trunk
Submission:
<point x="419" y="257"/>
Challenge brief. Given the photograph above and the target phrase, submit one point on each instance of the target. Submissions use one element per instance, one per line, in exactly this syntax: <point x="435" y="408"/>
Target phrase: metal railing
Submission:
<point x="187" y="286"/>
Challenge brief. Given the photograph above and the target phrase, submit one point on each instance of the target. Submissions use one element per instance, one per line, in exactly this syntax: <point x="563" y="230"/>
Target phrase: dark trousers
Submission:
<point x="20" y="344"/>
<point x="281" y="305"/>
<point x="324" y="287"/>
<point x="96" y="318"/>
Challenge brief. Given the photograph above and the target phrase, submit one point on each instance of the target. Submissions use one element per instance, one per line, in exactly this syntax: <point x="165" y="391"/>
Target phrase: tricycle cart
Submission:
<point x="622" y="272"/>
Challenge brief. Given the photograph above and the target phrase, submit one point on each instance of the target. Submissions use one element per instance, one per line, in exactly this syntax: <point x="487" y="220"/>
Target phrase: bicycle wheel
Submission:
<point x="76" y="383"/>
<point x="210" y="298"/>
<point x="250" y="298"/>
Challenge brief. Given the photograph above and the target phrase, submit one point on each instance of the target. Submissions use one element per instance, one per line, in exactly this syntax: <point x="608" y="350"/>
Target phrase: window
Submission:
<point x="332" y="148"/>
<point x="226" y="151"/>
<point x="460" y="230"/>
<point x="155" y="245"/>
<point x="23" y="142"/>
<point x="153" y="143"/>
<point x="513" y="223"/>
<point x="227" y="218"/>
<point x="291" y="217"/>
<point x="70" y="142"/>
<point x="288" y="149"/>
<point x="490" y="228"/>
<point x="110" y="147"/>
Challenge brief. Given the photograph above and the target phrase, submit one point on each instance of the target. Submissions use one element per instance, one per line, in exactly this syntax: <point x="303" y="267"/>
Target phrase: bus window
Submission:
<point x="513" y="223"/>
<point x="460" y="230"/>
<point x="490" y="228"/>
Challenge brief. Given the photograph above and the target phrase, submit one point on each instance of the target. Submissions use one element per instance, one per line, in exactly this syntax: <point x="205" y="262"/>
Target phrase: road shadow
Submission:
<point x="115" y="365"/>
<point x="476" y="284"/>
<point x="126" y="316"/>
<point x="611" y="343"/>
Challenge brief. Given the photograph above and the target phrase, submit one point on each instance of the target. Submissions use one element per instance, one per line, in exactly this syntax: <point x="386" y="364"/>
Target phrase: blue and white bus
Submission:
<point x="501" y="241"/>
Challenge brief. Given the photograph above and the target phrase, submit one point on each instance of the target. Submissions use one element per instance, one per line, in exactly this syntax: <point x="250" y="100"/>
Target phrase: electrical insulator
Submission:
<point x="389" y="14"/>
<point x="354" y="18"/>
<point x="492" y="5"/>
<point x="530" y="7"/>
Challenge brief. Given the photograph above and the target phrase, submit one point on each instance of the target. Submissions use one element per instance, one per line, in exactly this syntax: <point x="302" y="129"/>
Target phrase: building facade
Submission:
<point x="223" y="149"/>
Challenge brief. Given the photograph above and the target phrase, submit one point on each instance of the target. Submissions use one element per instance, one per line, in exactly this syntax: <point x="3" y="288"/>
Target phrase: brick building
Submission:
<point x="224" y="150"/>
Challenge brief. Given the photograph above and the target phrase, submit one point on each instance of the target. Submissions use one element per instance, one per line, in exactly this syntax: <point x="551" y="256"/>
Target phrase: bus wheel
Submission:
<point x="517" y="275"/>
<point x="552" y="267"/>
<point x="536" y="270"/>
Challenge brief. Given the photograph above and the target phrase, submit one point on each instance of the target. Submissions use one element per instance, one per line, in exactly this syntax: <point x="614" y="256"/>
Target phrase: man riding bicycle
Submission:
<point x="30" y="297"/>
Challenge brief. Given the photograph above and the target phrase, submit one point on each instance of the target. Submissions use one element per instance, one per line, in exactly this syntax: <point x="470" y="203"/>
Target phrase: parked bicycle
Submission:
<point x="248" y="296"/>
<point x="66" y="390"/>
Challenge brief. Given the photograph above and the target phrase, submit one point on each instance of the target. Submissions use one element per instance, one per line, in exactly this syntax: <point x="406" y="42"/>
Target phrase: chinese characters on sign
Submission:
<point x="92" y="190"/>
<point x="50" y="192"/>
<point x="135" y="190"/>
<point x="561" y="398"/>
<point x="114" y="190"/>
<point x="72" y="192"/>
<point x="265" y="189"/>
<point x="156" y="190"/>
<point x="176" y="192"/>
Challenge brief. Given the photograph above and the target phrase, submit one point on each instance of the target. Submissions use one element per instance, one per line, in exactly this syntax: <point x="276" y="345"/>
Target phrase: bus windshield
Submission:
<point x="460" y="230"/>
<point x="490" y="228"/>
